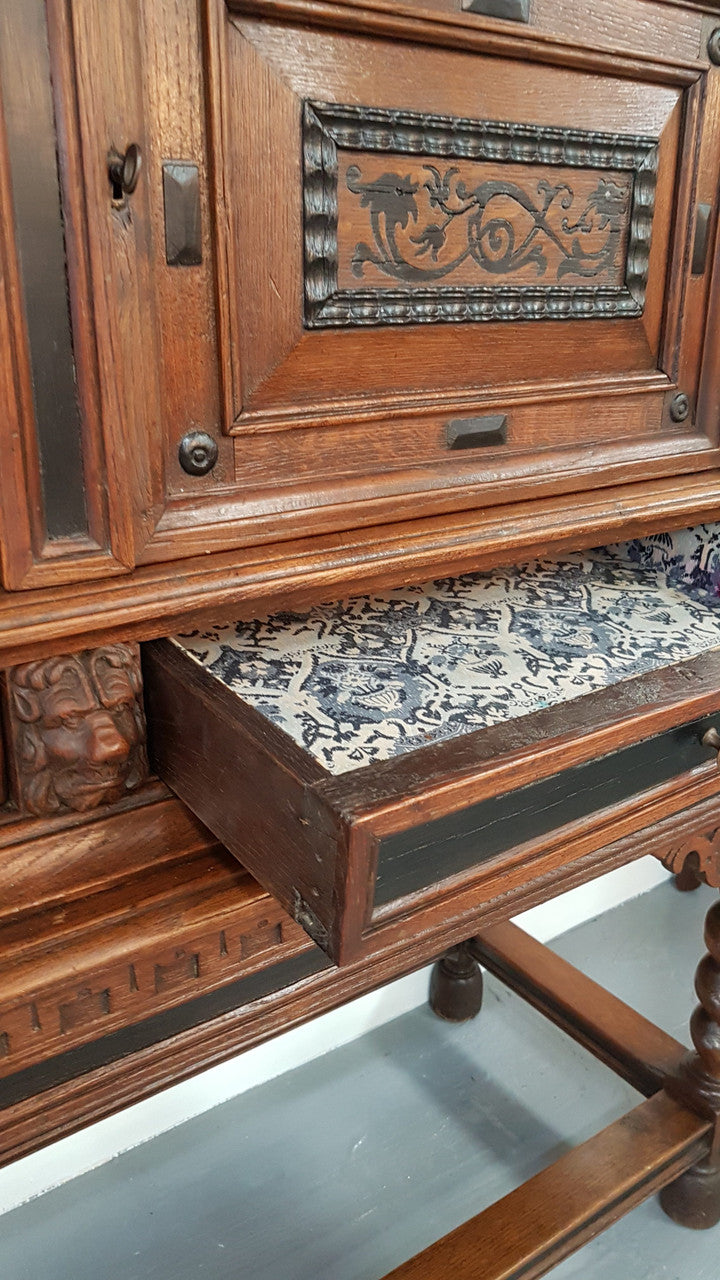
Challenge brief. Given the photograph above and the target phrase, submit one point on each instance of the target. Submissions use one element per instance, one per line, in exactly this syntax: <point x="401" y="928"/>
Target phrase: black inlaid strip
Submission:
<point x="25" y="82"/>
<point x="120" y="1044"/>
<point x="413" y="860"/>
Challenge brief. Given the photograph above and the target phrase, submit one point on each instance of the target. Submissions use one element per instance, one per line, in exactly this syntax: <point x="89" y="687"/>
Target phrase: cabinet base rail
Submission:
<point x="530" y="1230"/>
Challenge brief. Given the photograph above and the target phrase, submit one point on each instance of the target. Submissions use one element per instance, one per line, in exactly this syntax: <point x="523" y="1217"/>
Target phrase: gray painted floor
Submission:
<point x="345" y="1167"/>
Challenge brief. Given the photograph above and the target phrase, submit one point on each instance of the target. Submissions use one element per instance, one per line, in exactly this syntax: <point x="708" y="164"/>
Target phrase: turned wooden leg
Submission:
<point x="693" y="1200"/>
<point x="689" y="877"/>
<point x="456" y="985"/>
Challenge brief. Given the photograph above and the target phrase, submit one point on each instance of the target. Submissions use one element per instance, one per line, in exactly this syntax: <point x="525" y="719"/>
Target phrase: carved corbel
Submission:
<point x="697" y="855"/>
<point x="76" y="734"/>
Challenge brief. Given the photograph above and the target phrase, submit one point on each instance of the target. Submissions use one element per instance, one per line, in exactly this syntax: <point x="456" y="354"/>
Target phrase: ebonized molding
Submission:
<point x="327" y="128"/>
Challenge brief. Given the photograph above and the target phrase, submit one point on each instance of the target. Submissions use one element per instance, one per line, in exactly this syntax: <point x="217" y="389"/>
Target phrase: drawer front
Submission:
<point x="412" y="861"/>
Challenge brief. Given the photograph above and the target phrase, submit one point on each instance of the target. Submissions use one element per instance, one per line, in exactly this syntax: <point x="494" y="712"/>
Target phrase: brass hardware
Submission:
<point x="713" y="47"/>
<point x="124" y="171"/>
<point x="198" y="453"/>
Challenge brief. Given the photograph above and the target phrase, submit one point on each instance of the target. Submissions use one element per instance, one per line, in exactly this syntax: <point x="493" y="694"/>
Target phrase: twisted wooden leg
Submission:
<point x="693" y="1200"/>
<point x="456" y="985"/>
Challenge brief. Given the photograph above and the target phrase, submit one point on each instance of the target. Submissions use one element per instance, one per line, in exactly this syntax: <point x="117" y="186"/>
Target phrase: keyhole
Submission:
<point x="123" y="172"/>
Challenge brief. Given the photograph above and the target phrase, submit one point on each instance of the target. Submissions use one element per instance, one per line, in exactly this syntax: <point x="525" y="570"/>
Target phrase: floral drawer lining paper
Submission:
<point x="380" y="675"/>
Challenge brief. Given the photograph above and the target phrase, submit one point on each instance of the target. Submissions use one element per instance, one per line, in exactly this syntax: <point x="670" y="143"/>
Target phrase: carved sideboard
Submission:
<point x="359" y="541"/>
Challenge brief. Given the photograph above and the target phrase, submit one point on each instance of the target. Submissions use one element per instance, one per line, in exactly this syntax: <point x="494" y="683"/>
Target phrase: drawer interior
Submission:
<point x="376" y="677"/>
<point x="368" y="760"/>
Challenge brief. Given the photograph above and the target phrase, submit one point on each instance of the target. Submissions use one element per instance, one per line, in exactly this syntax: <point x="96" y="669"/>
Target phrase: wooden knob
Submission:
<point x="711" y="738"/>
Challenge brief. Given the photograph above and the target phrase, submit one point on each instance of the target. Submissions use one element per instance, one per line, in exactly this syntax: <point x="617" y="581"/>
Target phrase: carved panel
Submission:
<point x="702" y="851"/>
<point x="94" y="998"/>
<point x="413" y="219"/>
<point x="77" y="729"/>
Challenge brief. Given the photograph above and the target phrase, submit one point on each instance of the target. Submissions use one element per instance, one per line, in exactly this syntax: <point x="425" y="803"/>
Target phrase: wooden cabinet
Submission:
<point x="309" y="301"/>
<point x="382" y="263"/>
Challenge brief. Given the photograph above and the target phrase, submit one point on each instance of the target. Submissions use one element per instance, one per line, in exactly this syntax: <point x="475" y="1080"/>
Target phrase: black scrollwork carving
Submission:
<point x="492" y="240"/>
<point x="562" y="235"/>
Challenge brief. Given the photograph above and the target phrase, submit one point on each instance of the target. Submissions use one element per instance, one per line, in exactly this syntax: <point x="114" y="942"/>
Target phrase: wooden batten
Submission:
<point x="625" y="1041"/>
<point x="529" y="1231"/>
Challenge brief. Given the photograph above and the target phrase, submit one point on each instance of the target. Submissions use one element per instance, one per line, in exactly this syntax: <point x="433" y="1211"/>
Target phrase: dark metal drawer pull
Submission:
<point x="510" y="10"/>
<point x="183" y="232"/>
<point x="702" y="236"/>
<point x="475" y="433"/>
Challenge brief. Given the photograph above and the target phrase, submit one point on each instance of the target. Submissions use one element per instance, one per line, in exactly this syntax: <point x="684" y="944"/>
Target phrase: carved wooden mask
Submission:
<point x="78" y="729"/>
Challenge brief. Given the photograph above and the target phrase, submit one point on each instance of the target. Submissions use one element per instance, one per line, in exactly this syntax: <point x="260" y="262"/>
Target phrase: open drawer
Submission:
<point x="391" y="764"/>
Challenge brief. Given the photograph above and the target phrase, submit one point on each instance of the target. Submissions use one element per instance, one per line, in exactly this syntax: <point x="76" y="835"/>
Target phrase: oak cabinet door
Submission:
<point x="447" y="272"/>
<point x="61" y="512"/>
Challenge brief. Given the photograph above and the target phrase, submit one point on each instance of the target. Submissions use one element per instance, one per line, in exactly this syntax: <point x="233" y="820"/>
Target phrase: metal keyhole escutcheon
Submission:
<point x="124" y="170"/>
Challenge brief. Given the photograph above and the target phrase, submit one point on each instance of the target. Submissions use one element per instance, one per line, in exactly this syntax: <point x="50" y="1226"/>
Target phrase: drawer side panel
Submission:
<point x="231" y="777"/>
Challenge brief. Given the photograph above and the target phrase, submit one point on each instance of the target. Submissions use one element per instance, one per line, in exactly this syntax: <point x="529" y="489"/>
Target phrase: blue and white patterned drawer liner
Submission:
<point x="381" y="675"/>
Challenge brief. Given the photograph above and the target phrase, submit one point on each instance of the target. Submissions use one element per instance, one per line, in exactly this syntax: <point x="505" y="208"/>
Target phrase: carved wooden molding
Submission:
<point x="77" y="734"/>
<point x="537" y="229"/>
<point x="703" y="851"/>
<point x="75" y="1002"/>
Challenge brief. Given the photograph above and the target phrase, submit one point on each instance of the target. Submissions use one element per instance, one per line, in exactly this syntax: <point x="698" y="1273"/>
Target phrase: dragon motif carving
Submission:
<point x="537" y="245"/>
<point x="492" y="240"/>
